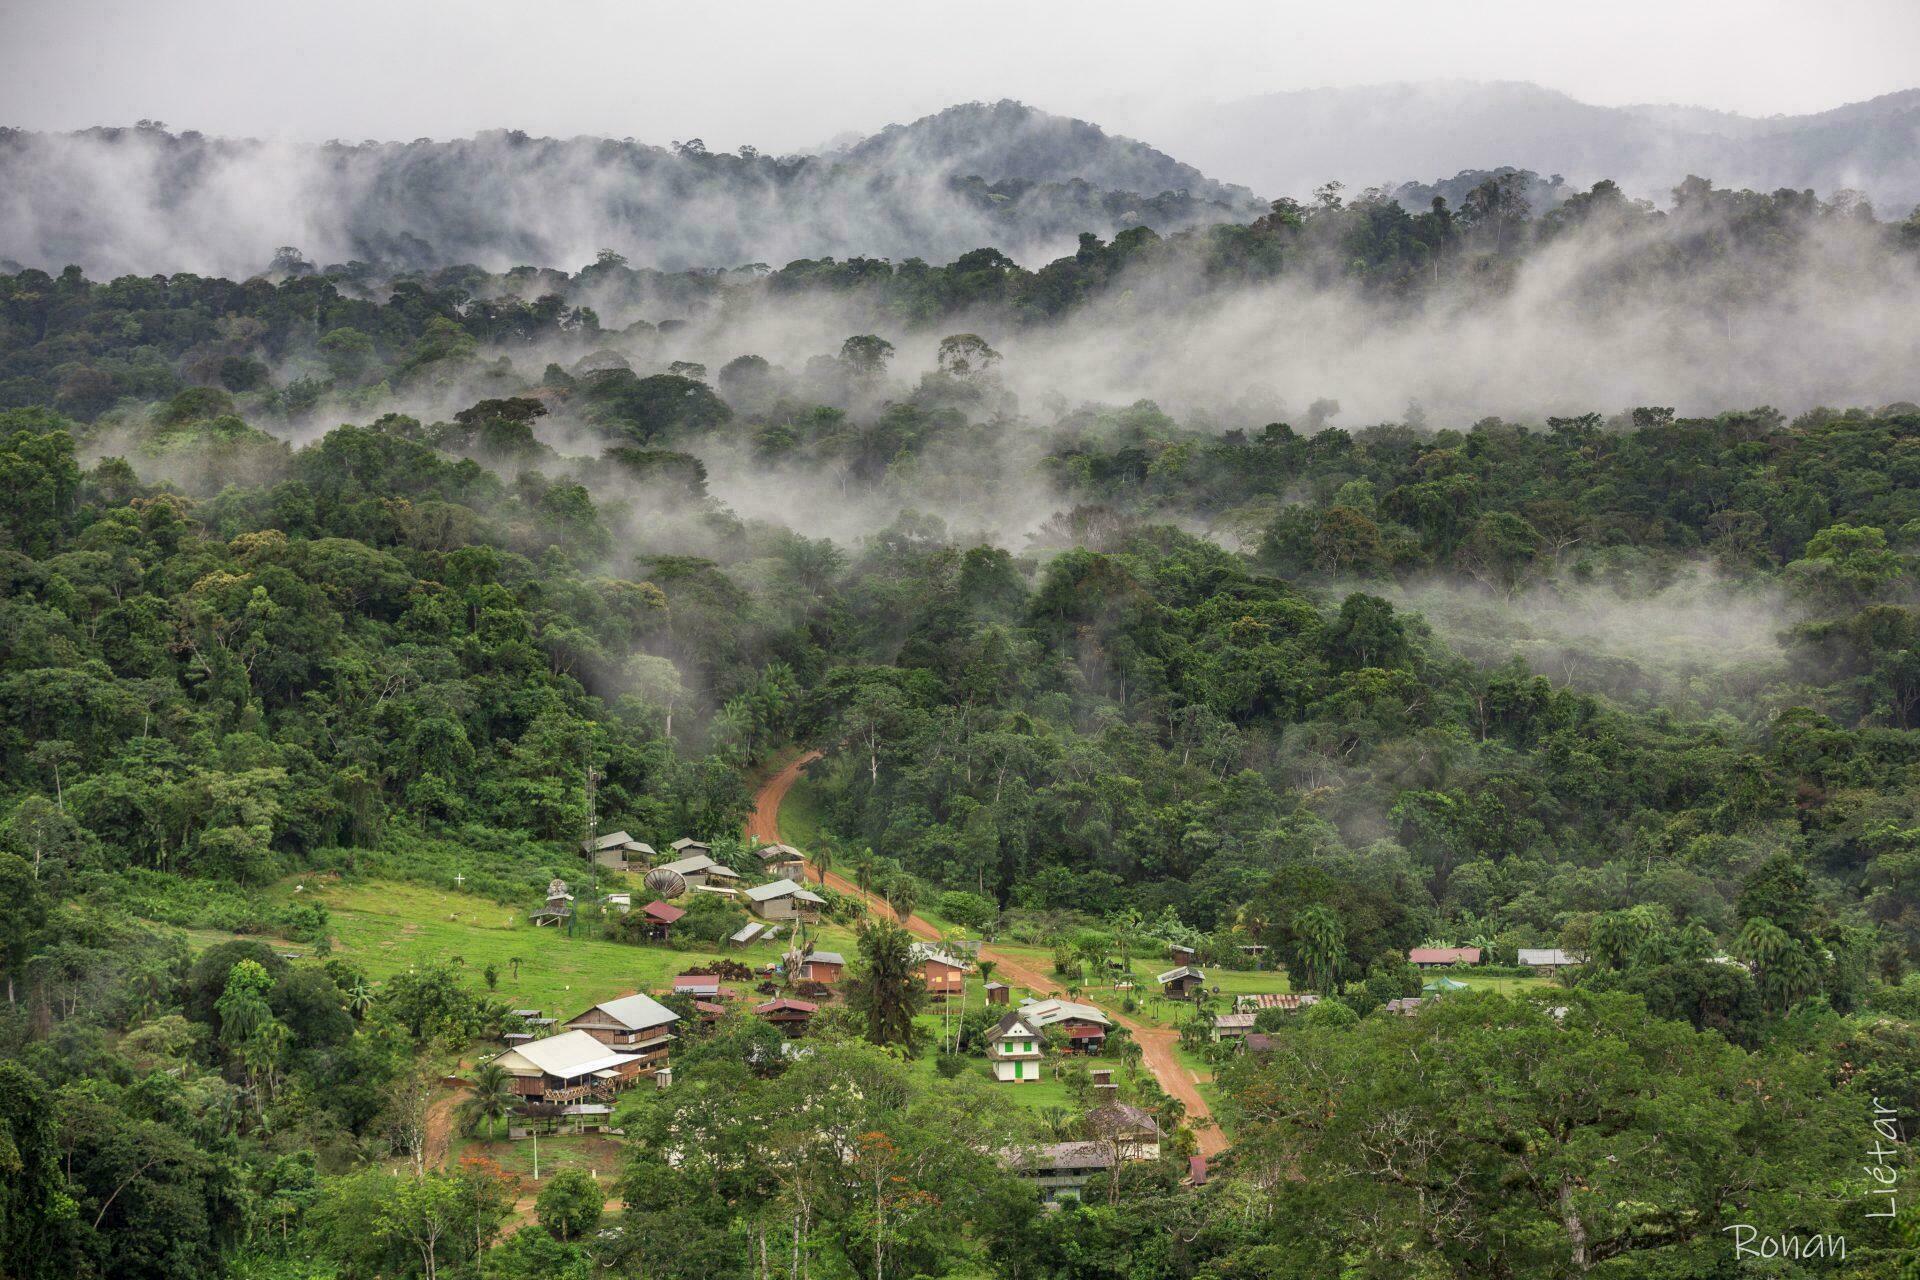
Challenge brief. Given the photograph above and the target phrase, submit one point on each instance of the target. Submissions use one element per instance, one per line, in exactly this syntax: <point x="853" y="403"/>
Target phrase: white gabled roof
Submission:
<point x="612" y="840"/>
<point x="571" y="1054"/>
<point x="747" y="932"/>
<point x="688" y="842"/>
<point x="783" y="889"/>
<point x="1047" y="1012"/>
<point x="700" y="864"/>
<point x="1544" y="956"/>
<point x="1184" y="971"/>
<point x="636" y="1013"/>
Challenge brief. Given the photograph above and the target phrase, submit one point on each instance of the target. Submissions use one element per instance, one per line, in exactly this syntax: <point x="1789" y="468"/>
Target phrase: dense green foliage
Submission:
<point x="230" y="655"/>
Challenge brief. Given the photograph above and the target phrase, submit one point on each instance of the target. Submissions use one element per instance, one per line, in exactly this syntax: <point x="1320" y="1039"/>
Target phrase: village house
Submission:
<point x="1441" y="957"/>
<point x="1405" y="1006"/>
<point x="1084" y="1026"/>
<point x="699" y="871"/>
<point x="1013" y="1047"/>
<point x="1103" y="1085"/>
<point x="943" y="974"/>
<point x="1291" y="1001"/>
<point x="1232" y="1026"/>
<point x="1061" y="1169"/>
<point x="700" y="986"/>
<point x="573" y="1066"/>
<point x="1182" y="955"/>
<point x="618" y="851"/>
<point x="792" y="1016"/>
<point x="1181" y="983"/>
<point x="822" y="966"/>
<point x="784" y="900"/>
<point x="782" y="860"/>
<point x="660" y="917"/>
<point x="999" y="993"/>
<point x="687" y="846"/>
<point x="636" y="1024"/>
<point x="1545" y="958"/>
<point x="619" y="901"/>
<point x="1131" y="1130"/>
<point x="1260" y="1042"/>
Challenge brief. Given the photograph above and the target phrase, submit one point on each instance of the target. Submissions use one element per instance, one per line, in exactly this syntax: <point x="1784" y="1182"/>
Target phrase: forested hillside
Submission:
<point x="144" y="199"/>
<point x="343" y="577"/>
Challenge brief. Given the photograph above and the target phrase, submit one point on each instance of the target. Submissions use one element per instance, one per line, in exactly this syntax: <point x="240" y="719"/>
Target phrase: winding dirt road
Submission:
<point x="1156" y="1043"/>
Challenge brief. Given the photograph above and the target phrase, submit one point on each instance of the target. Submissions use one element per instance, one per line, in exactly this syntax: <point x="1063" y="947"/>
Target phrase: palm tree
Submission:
<point x="823" y="858"/>
<point x="515" y="962"/>
<point x="986" y="970"/>
<point x="901" y="895"/>
<point x="884" y="989"/>
<point x="491" y="1098"/>
<point x="359" y="998"/>
<point x="1321" y="949"/>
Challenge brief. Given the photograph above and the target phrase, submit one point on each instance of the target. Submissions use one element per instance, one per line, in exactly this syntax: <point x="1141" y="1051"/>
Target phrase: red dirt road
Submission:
<point x="1156" y="1043"/>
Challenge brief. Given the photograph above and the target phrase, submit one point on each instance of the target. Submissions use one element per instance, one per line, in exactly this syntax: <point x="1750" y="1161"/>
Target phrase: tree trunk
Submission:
<point x="1576" y="1229"/>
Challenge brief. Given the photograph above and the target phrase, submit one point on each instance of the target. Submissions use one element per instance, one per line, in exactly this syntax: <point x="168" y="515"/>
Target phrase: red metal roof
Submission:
<point x="790" y="1006"/>
<point x="664" y="912"/>
<point x="1086" y="1033"/>
<point x="1444" y="955"/>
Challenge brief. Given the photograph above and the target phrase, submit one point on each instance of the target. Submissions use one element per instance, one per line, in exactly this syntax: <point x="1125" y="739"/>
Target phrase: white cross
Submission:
<point x="460" y="879"/>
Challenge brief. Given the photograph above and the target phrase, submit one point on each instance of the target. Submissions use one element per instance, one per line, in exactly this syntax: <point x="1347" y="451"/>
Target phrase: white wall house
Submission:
<point x="1013" y="1047"/>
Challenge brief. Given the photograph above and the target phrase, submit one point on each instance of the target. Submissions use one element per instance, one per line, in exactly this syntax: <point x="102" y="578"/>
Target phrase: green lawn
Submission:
<point x="386" y="928"/>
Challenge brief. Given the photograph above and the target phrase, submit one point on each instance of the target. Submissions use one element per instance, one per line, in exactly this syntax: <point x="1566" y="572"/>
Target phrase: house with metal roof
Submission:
<point x="698" y="869"/>
<point x="822" y="966"/>
<point x="617" y="851"/>
<point x="784" y="900"/>
<point x="1084" y="1027"/>
<point x="1438" y="957"/>
<point x="943" y="973"/>
<point x="636" y="1024"/>
<point x="570" y="1067"/>
<point x="1181" y="983"/>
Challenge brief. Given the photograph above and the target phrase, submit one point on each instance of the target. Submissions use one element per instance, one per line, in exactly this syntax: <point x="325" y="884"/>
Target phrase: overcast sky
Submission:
<point x="785" y="76"/>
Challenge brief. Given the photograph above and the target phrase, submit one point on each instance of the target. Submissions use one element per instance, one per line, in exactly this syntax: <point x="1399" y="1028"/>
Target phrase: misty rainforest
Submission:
<point x="972" y="703"/>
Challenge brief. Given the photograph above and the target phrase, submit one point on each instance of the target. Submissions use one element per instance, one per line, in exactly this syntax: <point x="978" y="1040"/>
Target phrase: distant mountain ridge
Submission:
<point x="1003" y="175"/>
<point x="1011" y="141"/>
<point x="1288" y="143"/>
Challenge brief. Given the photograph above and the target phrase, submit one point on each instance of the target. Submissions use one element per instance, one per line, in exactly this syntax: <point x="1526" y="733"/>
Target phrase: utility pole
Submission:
<point x="593" y="818"/>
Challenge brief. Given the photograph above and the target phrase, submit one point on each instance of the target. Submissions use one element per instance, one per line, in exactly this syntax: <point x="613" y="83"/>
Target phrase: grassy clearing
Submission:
<point x="384" y="928"/>
<point x="596" y="1153"/>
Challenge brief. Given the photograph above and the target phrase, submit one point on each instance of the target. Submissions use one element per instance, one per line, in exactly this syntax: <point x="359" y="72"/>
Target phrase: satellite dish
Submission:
<point x="663" y="883"/>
